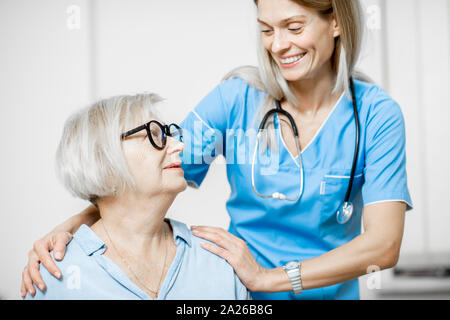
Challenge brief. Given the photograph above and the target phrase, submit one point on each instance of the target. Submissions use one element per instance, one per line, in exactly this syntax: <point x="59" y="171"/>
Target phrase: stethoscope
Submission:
<point x="345" y="212"/>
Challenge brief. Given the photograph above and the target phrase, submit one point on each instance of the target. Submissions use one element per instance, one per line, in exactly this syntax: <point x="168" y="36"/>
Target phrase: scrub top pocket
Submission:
<point x="333" y="188"/>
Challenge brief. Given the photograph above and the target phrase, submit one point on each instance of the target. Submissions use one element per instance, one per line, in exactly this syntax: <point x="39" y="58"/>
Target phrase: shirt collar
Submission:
<point x="91" y="243"/>
<point x="180" y="230"/>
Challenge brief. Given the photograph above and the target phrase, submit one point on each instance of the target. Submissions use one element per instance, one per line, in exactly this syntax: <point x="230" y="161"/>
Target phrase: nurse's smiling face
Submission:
<point x="299" y="39"/>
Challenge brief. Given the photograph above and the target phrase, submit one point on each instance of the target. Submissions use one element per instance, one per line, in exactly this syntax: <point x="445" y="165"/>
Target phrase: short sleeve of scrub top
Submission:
<point x="385" y="156"/>
<point x="205" y="128"/>
<point x="278" y="232"/>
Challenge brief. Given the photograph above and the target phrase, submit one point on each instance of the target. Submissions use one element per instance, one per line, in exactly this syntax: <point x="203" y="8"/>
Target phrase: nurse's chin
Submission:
<point x="296" y="74"/>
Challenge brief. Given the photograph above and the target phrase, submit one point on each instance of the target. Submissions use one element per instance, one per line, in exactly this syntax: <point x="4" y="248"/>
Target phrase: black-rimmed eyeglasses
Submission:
<point x="157" y="133"/>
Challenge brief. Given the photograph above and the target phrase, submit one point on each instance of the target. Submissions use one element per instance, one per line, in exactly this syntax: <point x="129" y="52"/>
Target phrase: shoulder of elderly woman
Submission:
<point x="64" y="287"/>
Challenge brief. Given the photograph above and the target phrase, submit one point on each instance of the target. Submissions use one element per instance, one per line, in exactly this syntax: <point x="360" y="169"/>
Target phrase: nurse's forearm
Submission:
<point x="345" y="263"/>
<point x="88" y="217"/>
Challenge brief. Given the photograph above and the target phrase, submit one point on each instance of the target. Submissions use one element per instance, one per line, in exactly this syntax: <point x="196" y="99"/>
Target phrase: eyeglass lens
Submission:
<point x="175" y="132"/>
<point x="158" y="135"/>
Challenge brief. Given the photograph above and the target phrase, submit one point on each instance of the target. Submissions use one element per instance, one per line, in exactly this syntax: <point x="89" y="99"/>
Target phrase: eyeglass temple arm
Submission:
<point x="129" y="133"/>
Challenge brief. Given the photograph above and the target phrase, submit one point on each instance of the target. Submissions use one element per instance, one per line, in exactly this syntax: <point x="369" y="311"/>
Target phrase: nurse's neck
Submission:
<point x="135" y="219"/>
<point x="315" y="94"/>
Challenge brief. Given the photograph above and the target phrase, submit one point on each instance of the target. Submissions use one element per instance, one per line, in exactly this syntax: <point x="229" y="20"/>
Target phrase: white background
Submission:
<point x="181" y="50"/>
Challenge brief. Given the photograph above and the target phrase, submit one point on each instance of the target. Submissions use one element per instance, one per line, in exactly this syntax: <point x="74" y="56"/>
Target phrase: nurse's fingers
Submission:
<point x="219" y="236"/>
<point x="237" y="254"/>
<point x="36" y="275"/>
<point x="26" y="280"/>
<point x="213" y="237"/>
<point x="218" y="232"/>
<point x="32" y="270"/>
<point x="221" y="252"/>
<point x="42" y="249"/>
<point x="60" y="242"/>
<point x="23" y="290"/>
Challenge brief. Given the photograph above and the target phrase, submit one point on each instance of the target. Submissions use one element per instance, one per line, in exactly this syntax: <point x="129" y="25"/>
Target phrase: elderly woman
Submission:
<point x="116" y="155"/>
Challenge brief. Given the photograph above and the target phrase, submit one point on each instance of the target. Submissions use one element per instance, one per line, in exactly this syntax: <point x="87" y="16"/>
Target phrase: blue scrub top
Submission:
<point x="226" y="121"/>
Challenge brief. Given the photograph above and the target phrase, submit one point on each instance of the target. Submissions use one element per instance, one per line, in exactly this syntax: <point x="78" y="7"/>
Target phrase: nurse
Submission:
<point x="294" y="249"/>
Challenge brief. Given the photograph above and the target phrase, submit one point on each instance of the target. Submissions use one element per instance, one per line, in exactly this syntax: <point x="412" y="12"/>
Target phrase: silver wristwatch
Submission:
<point x="293" y="272"/>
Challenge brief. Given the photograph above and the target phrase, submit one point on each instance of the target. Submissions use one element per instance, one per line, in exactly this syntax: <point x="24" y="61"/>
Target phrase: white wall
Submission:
<point x="44" y="75"/>
<point x="416" y="42"/>
<point x="181" y="49"/>
<point x="181" y="58"/>
<point x="419" y="71"/>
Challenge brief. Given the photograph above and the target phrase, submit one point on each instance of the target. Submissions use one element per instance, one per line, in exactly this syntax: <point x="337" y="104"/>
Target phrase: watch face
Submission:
<point x="292" y="265"/>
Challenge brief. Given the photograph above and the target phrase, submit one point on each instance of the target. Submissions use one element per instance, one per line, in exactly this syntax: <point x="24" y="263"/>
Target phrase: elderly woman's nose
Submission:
<point x="174" y="146"/>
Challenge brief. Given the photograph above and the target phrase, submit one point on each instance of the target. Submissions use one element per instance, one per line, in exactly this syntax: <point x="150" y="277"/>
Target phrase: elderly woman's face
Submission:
<point x="154" y="171"/>
<point x="299" y="40"/>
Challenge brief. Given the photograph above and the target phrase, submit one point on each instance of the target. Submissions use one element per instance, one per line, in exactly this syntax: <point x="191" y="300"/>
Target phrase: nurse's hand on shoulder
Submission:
<point x="237" y="254"/>
<point x="56" y="241"/>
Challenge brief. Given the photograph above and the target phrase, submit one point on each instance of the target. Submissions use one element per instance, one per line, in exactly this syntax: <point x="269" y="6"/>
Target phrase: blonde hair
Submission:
<point x="89" y="159"/>
<point x="268" y="77"/>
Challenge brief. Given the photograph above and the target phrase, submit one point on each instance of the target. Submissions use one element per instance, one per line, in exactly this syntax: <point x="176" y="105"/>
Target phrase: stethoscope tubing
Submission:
<point x="278" y="195"/>
<point x="355" y="156"/>
<point x="347" y="207"/>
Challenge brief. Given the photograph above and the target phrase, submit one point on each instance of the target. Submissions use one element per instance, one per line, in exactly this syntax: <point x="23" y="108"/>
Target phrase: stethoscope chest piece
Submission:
<point x="345" y="213"/>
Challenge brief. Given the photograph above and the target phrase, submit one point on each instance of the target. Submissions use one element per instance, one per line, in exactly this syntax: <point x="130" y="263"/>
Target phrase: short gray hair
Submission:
<point x="89" y="159"/>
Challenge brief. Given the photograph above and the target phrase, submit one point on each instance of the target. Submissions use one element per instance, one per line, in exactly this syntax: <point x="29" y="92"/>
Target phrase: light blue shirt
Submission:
<point x="88" y="274"/>
<point x="225" y="122"/>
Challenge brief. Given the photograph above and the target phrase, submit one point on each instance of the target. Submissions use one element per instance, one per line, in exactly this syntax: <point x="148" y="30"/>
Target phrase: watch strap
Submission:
<point x="294" y="275"/>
